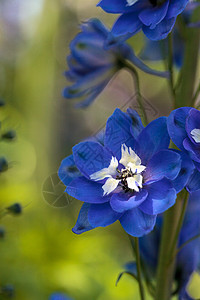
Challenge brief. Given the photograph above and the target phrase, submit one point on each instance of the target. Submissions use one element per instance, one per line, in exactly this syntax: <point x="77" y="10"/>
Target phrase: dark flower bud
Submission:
<point x="7" y="291"/>
<point x="9" y="135"/>
<point x="2" y="102"/>
<point x="15" y="209"/>
<point x="2" y="232"/>
<point x="3" y="164"/>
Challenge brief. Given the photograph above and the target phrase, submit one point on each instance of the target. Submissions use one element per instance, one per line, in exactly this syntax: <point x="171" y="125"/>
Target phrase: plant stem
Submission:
<point x="166" y="265"/>
<point x="184" y="95"/>
<point x="139" y="273"/>
<point x="170" y="67"/>
<point x="138" y="94"/>
<point x="196" y="94"/>
<point x="180" y="223"/>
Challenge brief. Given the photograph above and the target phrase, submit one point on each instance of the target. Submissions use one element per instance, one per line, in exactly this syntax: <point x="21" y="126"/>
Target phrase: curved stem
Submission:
<point x="187" y="242"/>
<point x="139" y="273"/>
<point x="170" y="67"/>
<point x="137" y="88"/>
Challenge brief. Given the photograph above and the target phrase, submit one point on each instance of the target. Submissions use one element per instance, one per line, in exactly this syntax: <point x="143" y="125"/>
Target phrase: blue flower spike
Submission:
<point x="91" y="65"/>
<point x="132" y="177"/>
<point x="155" y="18"/>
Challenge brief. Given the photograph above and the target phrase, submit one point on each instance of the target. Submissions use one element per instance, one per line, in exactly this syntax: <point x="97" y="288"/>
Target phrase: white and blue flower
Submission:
<point x="132" y="177"/>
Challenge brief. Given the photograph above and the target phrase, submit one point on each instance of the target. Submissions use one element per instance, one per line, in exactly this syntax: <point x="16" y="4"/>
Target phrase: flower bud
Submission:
<point x="15" y="209"/>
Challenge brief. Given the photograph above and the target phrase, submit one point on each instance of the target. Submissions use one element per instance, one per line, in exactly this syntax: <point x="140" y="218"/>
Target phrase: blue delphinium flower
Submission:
<point x="91" y="66"/>
<point x="132" y="177"/>
<point x="184" y="130"/>
<point x="155" y="17"/>
<point x="188" y="259"/>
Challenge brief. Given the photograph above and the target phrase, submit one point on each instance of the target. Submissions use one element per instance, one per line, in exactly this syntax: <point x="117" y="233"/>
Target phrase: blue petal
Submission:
<point x="82" y="223"/>
<point x="193" y="122"/>
<point x="165" y="163"/>
<point x="119" y="6"/>
<point x="161" y="196"/>
<point x="59" y="296"/>
<point x="122" y="202"/>
<point x="187" y="168"/>
<point x="176" y="125"/>
<point x="91" y="157"/>
<point x="176" y="7"/>
<point x="136" y="126"/>
<point x="137" y="223"/>
<point x="118" y="132"/>
<point x="92" y="95"/>
<point x="114" y="6"/>
<point x="127" y="23"/>
<point x="194" y="182"/>
<point x="152" y="16"/>
<point x="102" y="215"/>
<point x="153" y="138"/>
<point x="86" y="190"/>
<point x="193" y="149"/>
<point x="161" y="31"/>
<point x="138" y="63"/>
<point x="68" y="170"/>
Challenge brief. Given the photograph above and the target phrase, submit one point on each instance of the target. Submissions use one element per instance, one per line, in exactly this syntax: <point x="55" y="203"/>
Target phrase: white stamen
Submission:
<point x="131" y="2"/>
<point x="106" y="172"/>
<point x="130" y="159"/>
<point x="129" y="177"/>
<point x="110" y="186"/>
<point x="132" y="184"/>
<point x="195" y="133"/>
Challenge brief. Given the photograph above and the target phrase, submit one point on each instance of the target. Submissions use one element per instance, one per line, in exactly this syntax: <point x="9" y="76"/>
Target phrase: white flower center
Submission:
<point x="129" y="177"/>
<point x="195" y="133"/>
<point x="131" y="2"/>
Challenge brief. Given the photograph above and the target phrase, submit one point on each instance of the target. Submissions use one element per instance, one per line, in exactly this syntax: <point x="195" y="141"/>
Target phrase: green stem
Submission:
<point x="170" y="67"/>
<point x="184" y="94"/>
<point x="166" y="265"/>
<point x="139" y="273"/>
<point x="137" y="88"/>
<point x="196" y="94"/>
<point x="180" y="223"/>
<point x="187" y="242"/>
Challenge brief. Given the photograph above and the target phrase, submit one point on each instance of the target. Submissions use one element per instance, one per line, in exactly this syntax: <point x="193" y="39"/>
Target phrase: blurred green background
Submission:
<point x="39" y="254"/>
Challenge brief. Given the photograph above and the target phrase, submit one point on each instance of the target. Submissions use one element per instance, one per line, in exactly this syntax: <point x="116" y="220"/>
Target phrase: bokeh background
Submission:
<point x="39" y="254"/>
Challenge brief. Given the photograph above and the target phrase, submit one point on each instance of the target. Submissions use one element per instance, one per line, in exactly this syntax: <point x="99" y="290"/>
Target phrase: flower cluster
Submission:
<point x="131" y="176"/>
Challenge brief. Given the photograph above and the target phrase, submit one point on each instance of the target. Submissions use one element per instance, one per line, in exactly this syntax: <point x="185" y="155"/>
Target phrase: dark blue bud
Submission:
<point x="7" y="291"/>
<point x="15" y="209"/>
<point x="2" y="232"/>
<point x="2" y="102"/>
<point x="9" y="135"/>
<point x="3" y="164"/>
